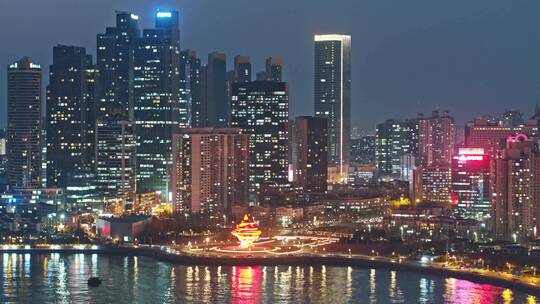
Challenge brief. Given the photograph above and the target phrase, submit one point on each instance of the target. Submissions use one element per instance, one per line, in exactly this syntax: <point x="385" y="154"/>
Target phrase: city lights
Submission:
<point x="137" y="163"/>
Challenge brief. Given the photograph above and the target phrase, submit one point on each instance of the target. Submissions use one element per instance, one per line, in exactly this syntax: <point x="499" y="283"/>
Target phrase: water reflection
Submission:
<point x="59" y="278"/>
<point x="462" y="291"/>
<point x="246" y="284"/>
<point x="372" y="287"/>
<point x="394" y="292"/>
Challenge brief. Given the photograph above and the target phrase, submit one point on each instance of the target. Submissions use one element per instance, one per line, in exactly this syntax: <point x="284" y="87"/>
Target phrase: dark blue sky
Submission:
<point x="470" y="57"/>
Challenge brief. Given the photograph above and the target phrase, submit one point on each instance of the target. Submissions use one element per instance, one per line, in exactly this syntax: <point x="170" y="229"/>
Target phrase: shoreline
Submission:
<point x="299" y="260"/>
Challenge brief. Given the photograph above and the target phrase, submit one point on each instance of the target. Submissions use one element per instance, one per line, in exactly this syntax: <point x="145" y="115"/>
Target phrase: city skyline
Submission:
<point x="242" y="147"/>
<point x="489" y="64"/>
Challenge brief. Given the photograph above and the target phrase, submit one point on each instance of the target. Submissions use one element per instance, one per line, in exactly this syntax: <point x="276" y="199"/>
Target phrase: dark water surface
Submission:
<point x="58" y="278"/>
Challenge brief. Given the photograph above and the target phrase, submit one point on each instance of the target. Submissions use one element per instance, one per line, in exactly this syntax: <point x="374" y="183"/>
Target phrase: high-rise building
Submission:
<point x="210" y="171"/>
<point x="261" y="110"/>
<point x="70" y="114"/>
<point x="115" y="158"/>
<point x="114" y="60"/>
<point x="3" y="161"/>
<point x="363" y="150"/>
<point x="185" y="94"/>
<point x="393" y="139"/>
<point x="310" y="146"/>
<point x="436" y="140"/>
<point x="217" y="105"/>
<point x="230" y="79"/>
<point x="91" y="84"/>
<point x="511" y="118"/>
<point x="433" y="184"/>
<point x="24" y="124"/>
<point x="204" y="104"/>
<point x="482" y="133"/>
<point x="471" y="184"/>
<point x="516" y="189"/>
<point x="407" y="164"/>
<point x="292" y="152"/>
<point x="242" y="69"/>
<point x="191" y="73"/>
<point x="260" y="76"/>
<point x="274" y="69"/>
<point x="156" y="99"/>
<point x="333" y="95"/>
<point x="2" y="142"/>
<point x="432" y="177"/>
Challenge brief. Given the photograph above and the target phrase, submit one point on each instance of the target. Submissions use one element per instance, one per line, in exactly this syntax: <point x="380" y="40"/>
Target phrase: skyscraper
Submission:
<point x="114" y="60"/>
<point x="216" y="91"/>
<point x="184" y="94"/>
<point x="210" y="171"/>
<point x="197" y="90"/>
<point x="261" y="110"/>
<point x="242" y="68"/>
<point x="310" y="146"/>
<point x="333" y="95"/>
<point x="115" y="158"/>
<point x="274" y="68"/>
<point x="156" y="99"/>
<point x="70" y="117"/>
<point x="91" y="84"/>
<point x="24" y="124"/>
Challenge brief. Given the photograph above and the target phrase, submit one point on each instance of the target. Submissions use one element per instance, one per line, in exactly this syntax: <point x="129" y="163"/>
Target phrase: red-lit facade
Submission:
<point x="482" y="133"/>
<point x="471" y="184"/>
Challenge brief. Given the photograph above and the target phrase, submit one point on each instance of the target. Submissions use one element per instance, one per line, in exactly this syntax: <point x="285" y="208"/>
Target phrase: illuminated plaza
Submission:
<point x="252" y="245"/>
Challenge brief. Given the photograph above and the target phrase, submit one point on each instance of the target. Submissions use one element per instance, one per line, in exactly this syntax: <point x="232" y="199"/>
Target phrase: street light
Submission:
<point x="509" y="266"/>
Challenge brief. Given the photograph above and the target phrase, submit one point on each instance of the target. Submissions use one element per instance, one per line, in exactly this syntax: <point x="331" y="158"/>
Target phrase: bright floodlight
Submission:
<point x="164" y="14"/>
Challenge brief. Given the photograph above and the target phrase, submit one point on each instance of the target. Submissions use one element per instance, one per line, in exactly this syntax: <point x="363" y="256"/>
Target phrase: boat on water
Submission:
<point x="94" y="281"/>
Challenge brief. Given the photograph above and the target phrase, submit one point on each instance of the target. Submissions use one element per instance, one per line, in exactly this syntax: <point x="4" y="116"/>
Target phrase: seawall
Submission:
<point x="295" y="260"/>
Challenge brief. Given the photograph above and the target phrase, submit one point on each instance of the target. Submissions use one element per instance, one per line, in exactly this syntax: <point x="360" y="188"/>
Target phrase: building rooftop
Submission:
<point x="126" y="219"/>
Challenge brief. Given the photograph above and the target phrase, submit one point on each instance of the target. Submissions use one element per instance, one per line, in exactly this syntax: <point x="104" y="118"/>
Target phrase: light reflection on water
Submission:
<point x="56" y="278"/>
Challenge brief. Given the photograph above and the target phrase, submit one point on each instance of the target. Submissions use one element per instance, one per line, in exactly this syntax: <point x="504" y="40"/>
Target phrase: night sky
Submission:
<point x="470" y="57"/>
